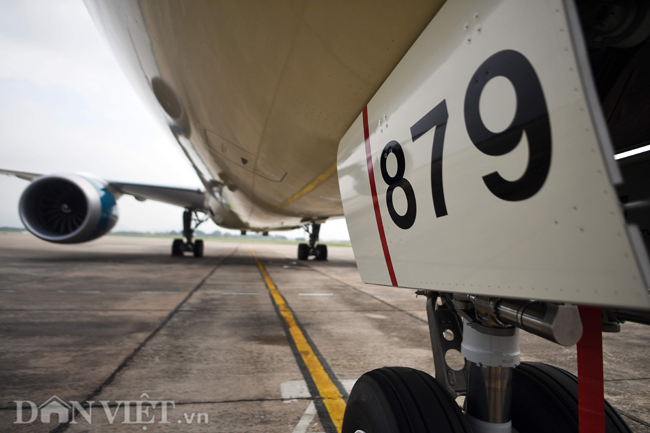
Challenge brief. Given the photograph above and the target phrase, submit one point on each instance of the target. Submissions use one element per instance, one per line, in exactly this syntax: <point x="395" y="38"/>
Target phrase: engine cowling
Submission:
<point x="68" y="208"/>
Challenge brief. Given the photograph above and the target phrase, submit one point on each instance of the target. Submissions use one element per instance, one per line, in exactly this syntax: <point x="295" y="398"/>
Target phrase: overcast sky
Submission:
<point x="65" y="106"/>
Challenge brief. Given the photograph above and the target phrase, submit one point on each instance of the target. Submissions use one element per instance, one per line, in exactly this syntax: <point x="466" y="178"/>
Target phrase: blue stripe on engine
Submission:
<point x="109" y="208"/>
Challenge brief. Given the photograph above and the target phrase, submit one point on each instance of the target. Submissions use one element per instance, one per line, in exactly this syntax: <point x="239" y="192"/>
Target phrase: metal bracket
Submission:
<point x="446" y="333"/>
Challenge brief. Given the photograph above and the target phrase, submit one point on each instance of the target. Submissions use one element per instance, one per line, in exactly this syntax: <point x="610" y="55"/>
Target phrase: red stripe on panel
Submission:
<point x="591" y="393"/>
<point x="375" y="202"/>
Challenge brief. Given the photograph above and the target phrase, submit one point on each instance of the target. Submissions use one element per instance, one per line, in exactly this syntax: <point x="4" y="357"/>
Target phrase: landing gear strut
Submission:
<point x="502" y="394"/>
<point x="311" y="249"/>
<point x="180" y="246"/>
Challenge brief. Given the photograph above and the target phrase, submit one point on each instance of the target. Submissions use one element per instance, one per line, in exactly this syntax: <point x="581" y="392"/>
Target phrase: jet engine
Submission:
<point x="68" y="208"/>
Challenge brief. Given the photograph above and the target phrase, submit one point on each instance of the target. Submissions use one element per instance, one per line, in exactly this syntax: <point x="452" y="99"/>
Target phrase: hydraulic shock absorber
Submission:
<point x="492" y="354"/>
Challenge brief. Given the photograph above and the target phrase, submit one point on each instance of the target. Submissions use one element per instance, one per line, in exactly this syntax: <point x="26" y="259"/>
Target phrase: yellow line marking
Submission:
<point x="309" y="188"/>
<point x="328" y="391"/>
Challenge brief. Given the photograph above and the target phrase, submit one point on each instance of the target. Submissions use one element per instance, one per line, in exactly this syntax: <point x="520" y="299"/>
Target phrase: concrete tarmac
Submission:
<point x="121" y="323"/>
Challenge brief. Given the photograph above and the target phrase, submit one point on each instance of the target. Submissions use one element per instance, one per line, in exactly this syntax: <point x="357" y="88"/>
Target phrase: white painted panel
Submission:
<point x="566" y="241"/>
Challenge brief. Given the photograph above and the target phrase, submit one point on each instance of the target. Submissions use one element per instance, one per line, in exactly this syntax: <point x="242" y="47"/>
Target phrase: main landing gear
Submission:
<point x="180" y="246"/>
<point x="475" y="342"/>
<point x="311" y="249"/>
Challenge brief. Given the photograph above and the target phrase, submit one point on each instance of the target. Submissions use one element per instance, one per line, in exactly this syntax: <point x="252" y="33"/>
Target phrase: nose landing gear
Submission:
<point x="502" y="394"/>
<point x="311" y="249"/>
<point x="180" y="246"/>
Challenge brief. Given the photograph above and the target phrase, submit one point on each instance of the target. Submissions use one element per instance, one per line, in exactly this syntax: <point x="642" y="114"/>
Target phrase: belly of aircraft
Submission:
<point x="269" y="89"/>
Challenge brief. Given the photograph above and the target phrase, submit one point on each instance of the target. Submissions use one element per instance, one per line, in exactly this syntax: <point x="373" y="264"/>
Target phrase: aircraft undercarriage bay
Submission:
<point x="490" y="157"/>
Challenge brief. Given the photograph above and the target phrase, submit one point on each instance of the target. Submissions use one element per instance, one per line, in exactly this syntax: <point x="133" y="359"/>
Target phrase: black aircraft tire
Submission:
<point x="303" y="251"/>
<point x="177" y="247"/>
<point x="198" y="248"/>
<point x="321" y="252"/>
<point x="545" y="399"/>
<point x="401" y="400"/>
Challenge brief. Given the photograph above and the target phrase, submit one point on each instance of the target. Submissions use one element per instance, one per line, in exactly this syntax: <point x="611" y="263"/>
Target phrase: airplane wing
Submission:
<point x="187" y="198"/>
<point x="21" y="174"/>
<point x="183" y="197"/>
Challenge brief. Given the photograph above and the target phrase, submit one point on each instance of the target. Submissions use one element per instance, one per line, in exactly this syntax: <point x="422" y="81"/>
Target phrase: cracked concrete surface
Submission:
<point x="119" y="317"/>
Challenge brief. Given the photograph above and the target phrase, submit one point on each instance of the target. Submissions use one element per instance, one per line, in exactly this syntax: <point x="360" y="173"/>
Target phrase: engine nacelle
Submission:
<point x="68" y="208"/>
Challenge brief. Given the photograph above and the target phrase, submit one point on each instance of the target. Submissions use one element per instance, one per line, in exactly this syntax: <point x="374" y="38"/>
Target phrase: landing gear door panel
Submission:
<point x="483" y="165"/>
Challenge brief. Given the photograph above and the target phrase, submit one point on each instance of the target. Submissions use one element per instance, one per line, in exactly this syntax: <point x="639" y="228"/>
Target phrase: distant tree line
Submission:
<point x="202" y="234"/>
<point x="198" y="234"/>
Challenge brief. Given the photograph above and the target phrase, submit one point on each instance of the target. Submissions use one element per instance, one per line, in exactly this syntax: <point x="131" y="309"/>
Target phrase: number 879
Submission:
<point x="531" y="116"/>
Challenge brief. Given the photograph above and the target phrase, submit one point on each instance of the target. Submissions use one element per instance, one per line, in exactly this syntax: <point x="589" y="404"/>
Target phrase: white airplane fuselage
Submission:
<point x="259" y="94"/>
